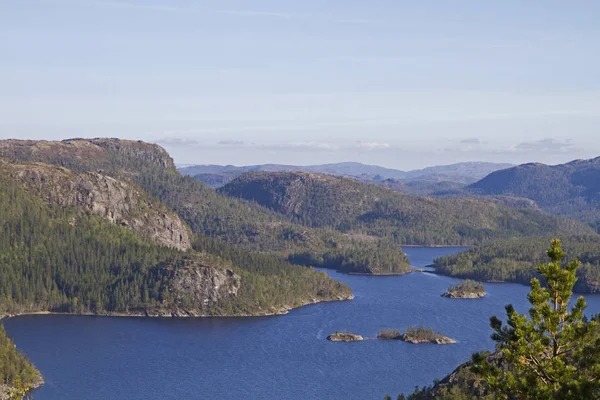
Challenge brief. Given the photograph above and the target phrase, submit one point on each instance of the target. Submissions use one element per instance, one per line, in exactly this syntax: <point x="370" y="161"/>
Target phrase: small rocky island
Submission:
<point x="467" y="289"/>
<point x="345" y="337"/>
<point x="415" y="335"/>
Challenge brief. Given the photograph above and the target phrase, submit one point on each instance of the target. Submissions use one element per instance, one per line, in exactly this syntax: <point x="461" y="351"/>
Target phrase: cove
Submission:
<point x="279" y="357"/>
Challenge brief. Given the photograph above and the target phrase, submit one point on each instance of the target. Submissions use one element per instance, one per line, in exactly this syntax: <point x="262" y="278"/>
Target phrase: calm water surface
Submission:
<point x="282" y="357"/>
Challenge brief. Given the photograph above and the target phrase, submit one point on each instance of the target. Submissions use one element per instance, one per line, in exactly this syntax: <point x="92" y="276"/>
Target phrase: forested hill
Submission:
<point x="514" y="260"/>
<point x="361" y="209"/>
<point x="149" y="166"/>
<point x="571" y="189"/>
<point x="69" y="259"/>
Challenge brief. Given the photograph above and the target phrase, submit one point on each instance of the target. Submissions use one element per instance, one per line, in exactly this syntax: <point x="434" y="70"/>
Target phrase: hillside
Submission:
<point x="60" y="255"/>
<point x="571" y="189"/>
<point x="120" y="202"/>
<point x="361" y="209"/>
<point x="152" y="169"/>
<point x="514" y="260"/>
<point x="206" y="212"/>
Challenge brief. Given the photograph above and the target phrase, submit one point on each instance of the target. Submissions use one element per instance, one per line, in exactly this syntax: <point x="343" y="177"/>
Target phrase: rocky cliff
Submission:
<point x="86" y="154"/>
<point x="198" y="284"/>
<point x="120" y="202"/>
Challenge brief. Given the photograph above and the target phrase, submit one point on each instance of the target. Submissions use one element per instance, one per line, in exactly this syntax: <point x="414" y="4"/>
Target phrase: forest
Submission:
<point x="59" y="259"/>
<point x="514" y="260"/>
<point x="356" y="208"/>
<point x="17" y="375"/>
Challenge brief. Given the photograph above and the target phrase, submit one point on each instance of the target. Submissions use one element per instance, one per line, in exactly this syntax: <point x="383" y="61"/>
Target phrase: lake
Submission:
<point x="280" y="357"/>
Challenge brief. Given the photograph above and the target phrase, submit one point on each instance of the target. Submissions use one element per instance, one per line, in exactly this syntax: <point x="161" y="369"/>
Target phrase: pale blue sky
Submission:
<point x="403" y="84"/>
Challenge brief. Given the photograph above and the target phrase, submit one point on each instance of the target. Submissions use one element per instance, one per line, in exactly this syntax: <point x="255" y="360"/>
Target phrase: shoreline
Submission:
<point x="283" y="310"/>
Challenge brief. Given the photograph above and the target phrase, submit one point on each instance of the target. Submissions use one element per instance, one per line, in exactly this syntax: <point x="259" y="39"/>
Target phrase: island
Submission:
<point x="415" y="335"/>
<point x="466" y="289"/>
<point x="345" y="337"/>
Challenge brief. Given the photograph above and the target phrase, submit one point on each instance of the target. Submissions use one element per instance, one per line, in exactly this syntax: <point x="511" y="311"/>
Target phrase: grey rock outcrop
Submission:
<point x="120" y="202"/>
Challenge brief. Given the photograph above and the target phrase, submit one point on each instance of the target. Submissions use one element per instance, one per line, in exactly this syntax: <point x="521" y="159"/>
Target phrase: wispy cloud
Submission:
<point x="470" y="141"/>
<point x="178" y="142"/>
<point x="230" y="142"/>
<point x="546" y="145"/>
<point x="373" y="145"/>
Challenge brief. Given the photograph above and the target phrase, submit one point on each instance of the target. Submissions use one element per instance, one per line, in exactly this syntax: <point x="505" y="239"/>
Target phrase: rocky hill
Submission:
<point x="571" y="189"/>
<point x="120" y="202"/>
<point x="357" y="208"/>
<point x="89" y="242"/>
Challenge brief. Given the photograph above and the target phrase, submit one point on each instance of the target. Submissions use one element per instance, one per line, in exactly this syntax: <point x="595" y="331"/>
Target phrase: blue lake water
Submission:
<point x="281" y="357"/>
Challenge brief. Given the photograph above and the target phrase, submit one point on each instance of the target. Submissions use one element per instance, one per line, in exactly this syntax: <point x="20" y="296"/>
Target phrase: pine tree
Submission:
<point x="553" y="354"/>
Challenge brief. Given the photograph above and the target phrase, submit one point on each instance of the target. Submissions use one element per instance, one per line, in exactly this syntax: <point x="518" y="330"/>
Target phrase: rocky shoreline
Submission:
<point x="345" y="337"/>
<point x="8" y="392"/>
<point x="464" y="295"/>
<point x="437" y="340"/>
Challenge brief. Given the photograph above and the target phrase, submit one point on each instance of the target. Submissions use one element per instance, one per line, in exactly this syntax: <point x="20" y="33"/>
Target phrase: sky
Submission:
<point x="403" y="84"/>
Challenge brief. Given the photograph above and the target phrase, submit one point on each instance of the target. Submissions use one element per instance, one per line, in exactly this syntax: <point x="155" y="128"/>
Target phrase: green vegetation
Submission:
<point x="17" y="375"/>
<point x="555" y="352"/>
<point x="467" y="286"/>
<point x="269" y="281"/>
<point x="513" y="260"/>
<point x="389" y="334"/>
<point x="57" y="259"/>
<point x="360" y="257"/>
<point x="347" y="205"/>
<point x="465" y="289"/>
<point x="205" y="211"/>
<point x="420" y="334"/>
<point x="570" y="189"/>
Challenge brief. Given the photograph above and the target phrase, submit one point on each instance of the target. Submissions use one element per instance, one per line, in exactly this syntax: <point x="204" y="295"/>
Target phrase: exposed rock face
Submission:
<point x="196" y="288"/>
<point x="204" y="285"/>
<point x="464" y="295"/>
<point x="345" y="337"/>
<point x="120" y="202"/>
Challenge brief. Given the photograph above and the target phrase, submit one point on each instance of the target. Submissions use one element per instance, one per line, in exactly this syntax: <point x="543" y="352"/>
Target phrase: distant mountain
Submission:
<point x="571" y="189"/>
<point x="463" y="173"/>
<point x="466" y="172"/>
<point x="356" y="208"/>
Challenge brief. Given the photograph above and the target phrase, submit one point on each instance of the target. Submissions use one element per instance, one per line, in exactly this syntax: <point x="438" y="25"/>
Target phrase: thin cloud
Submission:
<point x="547" y="145"/>
<point x="231" y="142"/>
<point x="471" y="141"/>
<point x="373" y="145"/>
<point x="177" y="142"/>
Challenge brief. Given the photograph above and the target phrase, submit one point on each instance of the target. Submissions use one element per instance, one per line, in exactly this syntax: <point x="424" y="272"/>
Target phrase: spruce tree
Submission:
<point x="553" y="354"/>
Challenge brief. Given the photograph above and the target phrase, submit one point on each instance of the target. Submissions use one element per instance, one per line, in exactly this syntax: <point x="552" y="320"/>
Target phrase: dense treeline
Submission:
<point x="353" y="207"/>
<point x="360" y="257"/>
<point x="56" y="259"/>
<point x="514" y="260"/>
<point x="269" y="281"/>
<point x="17" y="375"/>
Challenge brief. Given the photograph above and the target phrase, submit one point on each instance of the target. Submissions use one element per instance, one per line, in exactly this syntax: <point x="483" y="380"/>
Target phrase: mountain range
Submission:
<point x="462" y="173"/>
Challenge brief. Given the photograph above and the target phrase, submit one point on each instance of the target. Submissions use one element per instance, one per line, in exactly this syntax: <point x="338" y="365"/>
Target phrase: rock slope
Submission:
<point x="120" y="202"/>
